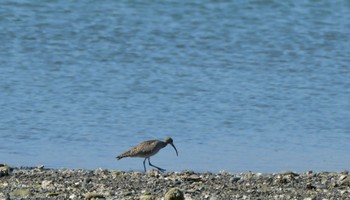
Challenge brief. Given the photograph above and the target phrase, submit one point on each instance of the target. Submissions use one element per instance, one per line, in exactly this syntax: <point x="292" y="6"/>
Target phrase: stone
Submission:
<point x="4" y="196"/>
<point x="344" y="180"/>
<point x="117" y="173"/>
<point x="235" y="179"/>
<point x="310" y="198"/>
<point x="46" y="184"/>
<point x="193" y="178"/>
<point x="5" y="170"/>
<point x="174" y="194"/>
<point x="93" y="195"/>
<point x="20" y="193"/>
<point x="52" y="194"/>
<point x="320" y="186"/>
<point x="40" y="167"/>
<point x="147" y="196"/>
<point x="289" y="173"/>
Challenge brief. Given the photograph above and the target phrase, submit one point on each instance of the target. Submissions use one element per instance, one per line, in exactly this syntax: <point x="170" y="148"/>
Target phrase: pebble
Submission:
<point x="22" y="193"/>
<point x="5" y="170"/>
<point x="93" y="195"/>
<point x="344" y="180"/>
<point x="147" y="196"/>
<point x="3" y="196"/>
<point x="174" y="194"/>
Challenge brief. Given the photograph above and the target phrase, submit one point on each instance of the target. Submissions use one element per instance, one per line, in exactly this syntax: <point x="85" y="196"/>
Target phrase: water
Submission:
<point x="238" y="85"/>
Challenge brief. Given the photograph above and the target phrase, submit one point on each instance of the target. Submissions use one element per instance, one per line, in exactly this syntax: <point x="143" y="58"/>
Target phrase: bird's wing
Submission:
<point x="141" y="150"/>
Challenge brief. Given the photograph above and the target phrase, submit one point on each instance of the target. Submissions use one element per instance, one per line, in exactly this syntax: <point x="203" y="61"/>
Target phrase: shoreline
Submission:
<point x="42" y="183"/>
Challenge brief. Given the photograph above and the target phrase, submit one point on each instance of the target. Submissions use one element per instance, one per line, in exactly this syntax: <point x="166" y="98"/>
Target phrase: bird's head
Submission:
<point x="169" y="140"/>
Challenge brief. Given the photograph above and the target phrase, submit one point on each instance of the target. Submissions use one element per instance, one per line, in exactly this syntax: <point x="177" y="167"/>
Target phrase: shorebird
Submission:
<point x="147" y="149"/>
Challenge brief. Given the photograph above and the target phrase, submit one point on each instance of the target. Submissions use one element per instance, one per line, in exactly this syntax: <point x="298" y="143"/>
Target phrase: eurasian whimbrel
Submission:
<point x="147" y="149"/>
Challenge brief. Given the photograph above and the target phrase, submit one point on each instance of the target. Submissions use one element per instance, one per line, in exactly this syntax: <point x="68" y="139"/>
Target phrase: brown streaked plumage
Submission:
<point x="147" y="149"/>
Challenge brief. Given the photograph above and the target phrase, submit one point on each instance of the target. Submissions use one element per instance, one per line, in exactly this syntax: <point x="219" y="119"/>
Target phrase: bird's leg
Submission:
<point x="144" y="166"/>
<point x="160" y="169"/>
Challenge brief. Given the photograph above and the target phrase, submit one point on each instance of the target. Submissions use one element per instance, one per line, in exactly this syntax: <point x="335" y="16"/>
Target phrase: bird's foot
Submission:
<point x="162" y="170"/>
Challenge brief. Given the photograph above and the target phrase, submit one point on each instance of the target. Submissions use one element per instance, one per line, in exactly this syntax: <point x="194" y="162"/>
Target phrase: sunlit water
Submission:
<point x="238" y="85"/>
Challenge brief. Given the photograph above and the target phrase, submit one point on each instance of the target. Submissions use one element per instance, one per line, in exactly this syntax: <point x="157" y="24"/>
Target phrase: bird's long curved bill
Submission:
<point x="175" y="149"/>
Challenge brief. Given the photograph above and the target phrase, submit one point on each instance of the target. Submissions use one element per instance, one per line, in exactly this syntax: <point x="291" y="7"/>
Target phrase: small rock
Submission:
<point x="40" y="167"/>
<point x="342" y="192"/>
<point x="174" y="194"/>
<point x="235" y="179"/>
<point x="94" y="195"/>
<point x="4" y="196"/>
<point x="5" y="170"/>
<point x="344" y="180"/>
<point x="117" y="173"/>
<point x="310" y="198"/>
<point x="309" y="186"/>
<point x="147" y="196"/>
<point x="46" y="184"/>
<point x="20" y="193"/>
<point x="52" y="194"/>
<point x="223" y="172"/>
<point x="320" y="186"/>
<point x="193" y="178"/>
<point x="264" y="188"/>
<point x="188" y="172"/>
<point x="290" y="173"/>
<point x="188" y="197"/>
<point x="153" y="173"/>
<point x="309" y="173"/>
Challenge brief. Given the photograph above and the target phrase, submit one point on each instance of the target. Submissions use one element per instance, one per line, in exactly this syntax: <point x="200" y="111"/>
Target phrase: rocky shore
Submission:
<point x="42" y="183"/>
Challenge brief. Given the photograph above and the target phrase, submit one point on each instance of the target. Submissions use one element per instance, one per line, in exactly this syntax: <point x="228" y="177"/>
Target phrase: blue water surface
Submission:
<point x="239" y="85"/>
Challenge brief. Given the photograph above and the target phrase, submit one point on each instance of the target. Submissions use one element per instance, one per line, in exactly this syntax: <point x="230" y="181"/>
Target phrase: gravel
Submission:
<point x="42" y="183"/>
